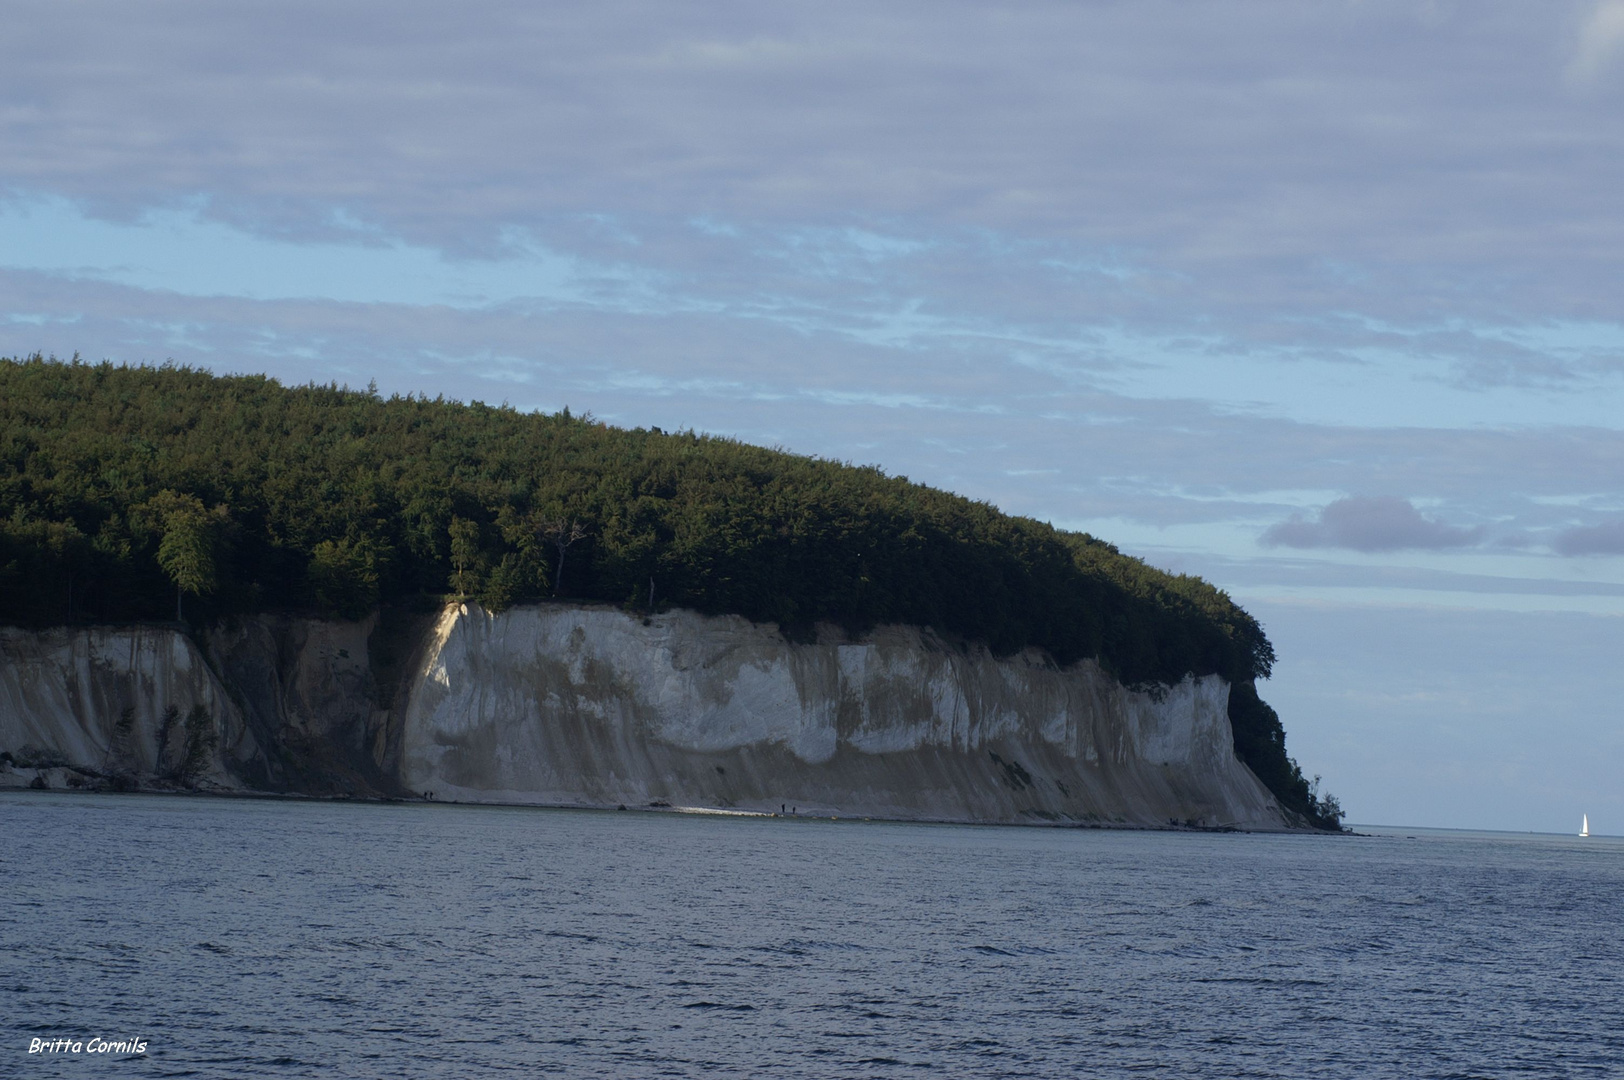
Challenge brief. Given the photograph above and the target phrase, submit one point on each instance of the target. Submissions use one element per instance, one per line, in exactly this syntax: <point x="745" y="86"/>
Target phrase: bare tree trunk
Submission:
<point x="563" y="534"/>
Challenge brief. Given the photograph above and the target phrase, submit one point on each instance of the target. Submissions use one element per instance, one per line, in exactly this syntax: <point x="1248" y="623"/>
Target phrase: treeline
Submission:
<point x="151" y="493"/>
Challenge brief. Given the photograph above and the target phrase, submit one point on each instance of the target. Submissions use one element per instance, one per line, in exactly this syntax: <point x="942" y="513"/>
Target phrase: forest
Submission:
<point x="169" y="493"/>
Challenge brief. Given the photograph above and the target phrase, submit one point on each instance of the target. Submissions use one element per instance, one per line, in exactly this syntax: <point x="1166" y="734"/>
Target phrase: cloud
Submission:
<point x="1251" y="572"/>
<point x="1370" y="523"/>
<point x="1604" y="539"/>
<point x="1275" y="159"/>
<point x="1600" y="40"/>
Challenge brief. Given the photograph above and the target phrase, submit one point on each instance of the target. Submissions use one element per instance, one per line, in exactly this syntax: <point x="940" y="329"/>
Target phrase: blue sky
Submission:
<point x="1319" y="301"/>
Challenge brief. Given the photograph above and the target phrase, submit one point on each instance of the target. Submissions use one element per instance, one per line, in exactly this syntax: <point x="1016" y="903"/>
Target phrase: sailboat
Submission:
<point x="1584" y="827"/>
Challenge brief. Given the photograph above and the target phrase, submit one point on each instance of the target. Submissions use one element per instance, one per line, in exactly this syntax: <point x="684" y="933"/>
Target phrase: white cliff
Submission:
<point x="269" y="703"/>
<point x="591" y="706"/>
<point x="114" y="704"/>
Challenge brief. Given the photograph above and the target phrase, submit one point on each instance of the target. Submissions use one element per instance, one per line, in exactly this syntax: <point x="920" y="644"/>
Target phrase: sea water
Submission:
<point x="249" y="938"/>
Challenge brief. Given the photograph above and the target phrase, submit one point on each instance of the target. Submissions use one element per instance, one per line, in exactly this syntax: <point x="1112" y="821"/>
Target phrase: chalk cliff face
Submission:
<point x="270" y="704"/>
<point x="595" y="707"/>
<point x="138" y="706"/>
<point x="587" y="706"/>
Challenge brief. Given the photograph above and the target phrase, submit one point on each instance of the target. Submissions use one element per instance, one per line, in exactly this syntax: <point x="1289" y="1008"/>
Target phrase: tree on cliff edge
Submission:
<point x="562" y="533"/>
<point x="186" y="551"/>
<point x="465" y="556"/>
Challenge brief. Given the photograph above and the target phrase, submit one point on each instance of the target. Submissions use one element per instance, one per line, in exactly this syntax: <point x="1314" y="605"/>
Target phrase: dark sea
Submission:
<point x="254" y="938"/>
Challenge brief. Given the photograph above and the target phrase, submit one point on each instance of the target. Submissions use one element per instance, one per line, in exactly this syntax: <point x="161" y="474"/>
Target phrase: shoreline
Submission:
<point x="14" y="790"/>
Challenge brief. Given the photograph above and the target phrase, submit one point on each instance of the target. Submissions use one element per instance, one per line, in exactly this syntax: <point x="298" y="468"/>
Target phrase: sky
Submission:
<point x="1320" y="301"/>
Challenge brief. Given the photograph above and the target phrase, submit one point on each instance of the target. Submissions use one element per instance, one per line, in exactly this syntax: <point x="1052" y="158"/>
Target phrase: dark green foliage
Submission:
<point x="467" y="563"/>
<point x="189" y="541"/>
<point x="118" y="485"/>
<point x="344" y="574"/>
<point x="201" y="739"/>
<point x="120" y="749"/>
<point x="165" y="726"/>
<point x="1260" y="742"/>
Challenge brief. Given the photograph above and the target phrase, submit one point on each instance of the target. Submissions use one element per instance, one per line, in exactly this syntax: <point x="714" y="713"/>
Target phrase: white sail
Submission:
<point x="1584" y="829"/>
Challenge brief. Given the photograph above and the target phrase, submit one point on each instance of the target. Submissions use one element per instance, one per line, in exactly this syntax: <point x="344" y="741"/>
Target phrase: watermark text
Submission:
<point x="92" y="1045"/>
